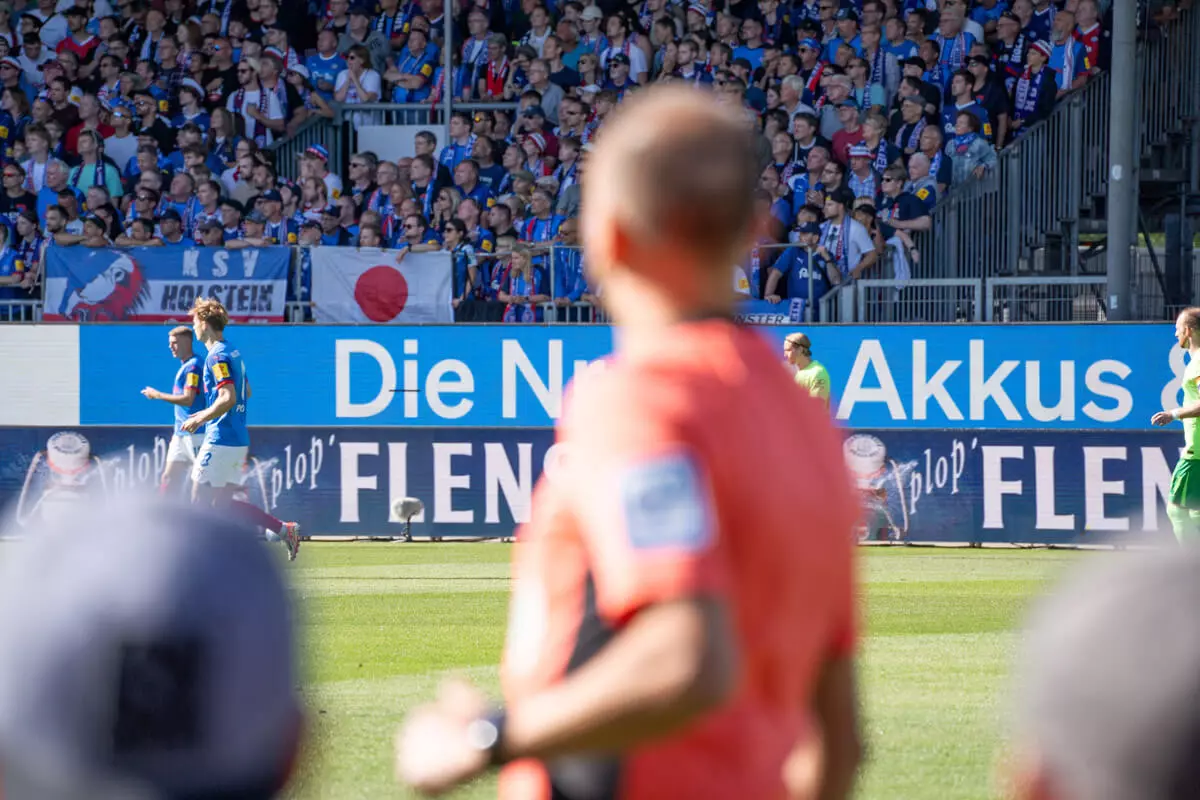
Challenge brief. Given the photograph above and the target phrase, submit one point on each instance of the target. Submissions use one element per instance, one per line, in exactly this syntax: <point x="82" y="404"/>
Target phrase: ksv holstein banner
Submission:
<point x="369" y="285"/>
<point x="160" y="284"/>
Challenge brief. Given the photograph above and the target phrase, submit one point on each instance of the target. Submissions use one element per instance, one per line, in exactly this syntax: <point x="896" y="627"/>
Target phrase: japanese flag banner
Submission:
<point x="351" y="284"/>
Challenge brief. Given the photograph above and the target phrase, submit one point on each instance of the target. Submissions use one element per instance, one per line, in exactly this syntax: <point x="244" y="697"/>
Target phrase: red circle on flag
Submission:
<point x="381" y="293"/>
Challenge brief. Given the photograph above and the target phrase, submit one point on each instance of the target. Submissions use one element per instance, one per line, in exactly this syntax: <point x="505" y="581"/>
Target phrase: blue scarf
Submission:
<point x="880" y="159"/>
<point x="914" y="137"/>
<point x="1029" y="89"/>
<point x="518" y="285"/>
<point x="877" y="68"/>
<point x="961" y="144"/>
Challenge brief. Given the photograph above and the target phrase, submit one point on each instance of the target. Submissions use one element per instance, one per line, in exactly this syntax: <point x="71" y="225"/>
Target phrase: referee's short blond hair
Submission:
<point x="801" y="341"/>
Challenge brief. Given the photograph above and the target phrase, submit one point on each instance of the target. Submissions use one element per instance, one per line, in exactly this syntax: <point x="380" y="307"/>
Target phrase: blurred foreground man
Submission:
<point x="1109" y="684"/>
<point x="675" y="631"/>
<point x="146" y="653"/>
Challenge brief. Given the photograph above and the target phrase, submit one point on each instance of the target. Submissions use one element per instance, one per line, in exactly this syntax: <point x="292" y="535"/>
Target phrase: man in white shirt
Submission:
<point x="33" y="55"/>
<point x="844" y="241"/>
<point x="261" y="111"/>
<point x="122" y="145"/>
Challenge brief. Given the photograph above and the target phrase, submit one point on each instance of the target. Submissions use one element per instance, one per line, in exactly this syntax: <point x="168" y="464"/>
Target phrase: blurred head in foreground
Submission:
<point x="1109" y="685"/>
<point x="675" y="207"/>
<point x="145" y="652"/>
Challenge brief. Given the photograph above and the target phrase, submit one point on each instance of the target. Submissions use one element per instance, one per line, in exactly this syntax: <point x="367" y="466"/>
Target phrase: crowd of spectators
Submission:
<point x="150" y="123"/>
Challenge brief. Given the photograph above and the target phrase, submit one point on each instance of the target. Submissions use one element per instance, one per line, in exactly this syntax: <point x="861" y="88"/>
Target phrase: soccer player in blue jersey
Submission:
<point x="187" y="399"/>
<point x="217" y="474"/>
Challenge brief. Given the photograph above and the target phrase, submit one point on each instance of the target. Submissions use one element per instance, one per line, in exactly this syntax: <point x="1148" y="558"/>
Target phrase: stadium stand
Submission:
<point x="948" y="158"/>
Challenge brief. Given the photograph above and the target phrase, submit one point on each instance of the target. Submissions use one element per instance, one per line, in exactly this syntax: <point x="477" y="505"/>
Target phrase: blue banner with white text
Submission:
<point x="1102" y="487"/>
<point x="160" y="284"/>
<point x="959" y="377"/>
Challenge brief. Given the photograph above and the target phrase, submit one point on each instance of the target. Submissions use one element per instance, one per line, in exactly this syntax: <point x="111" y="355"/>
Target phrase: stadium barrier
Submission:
<point x="1041" y="299"/>
<point x="874" y="300"/>
<point x="1020" y="434"/>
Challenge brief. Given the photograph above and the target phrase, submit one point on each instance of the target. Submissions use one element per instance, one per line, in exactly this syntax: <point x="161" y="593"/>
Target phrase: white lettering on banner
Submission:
<point x="938" y="471"/>
<point x="191" y="263"/>
<point x="398" y="480"/>
<point x="1122" y="396"/>
<point x="1065" y="410"/>
<point x="994" y="486"/>
<point x="871" y="381"/>
<point x="1170" y="392"/>
<point x="548" y="394"/>
<point x="294" y="471"/>
<point x="1095" y="488"/>
<point x="934" y="387"/>
<point x="220" y="264"/>
<point x="1156" y="484"/>
<point x="249" y="261"/>
<point x="130" y="468"/>
<point x="412" y="379"/>
<point x="352" y="481"/>
<point x="445" y="482"/>
<point x="1045" y="493"/>
<point x="990" y="387"/>
<point x="517" y="490"/>
<point x="461" y="381"/>
<point x="870" y="355"/>
<point x="345" y="348"/>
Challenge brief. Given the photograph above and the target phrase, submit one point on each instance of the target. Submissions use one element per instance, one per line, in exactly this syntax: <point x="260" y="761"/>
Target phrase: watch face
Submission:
<point x="483" y="734"/>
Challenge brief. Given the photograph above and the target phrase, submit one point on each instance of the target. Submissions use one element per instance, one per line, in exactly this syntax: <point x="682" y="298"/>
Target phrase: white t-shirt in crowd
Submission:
<point x="121" y="149"/>
<point x="370" y="82"/>
<point x="251" y="100"/>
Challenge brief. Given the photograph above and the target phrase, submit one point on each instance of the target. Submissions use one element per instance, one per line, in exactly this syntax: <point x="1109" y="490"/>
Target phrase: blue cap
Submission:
<point x="810" y="227"/>
<point x="810" y="43"/>
<point x="317" y="150"/>
<point x="332" y="210"/>
<point x="272" y="195"/>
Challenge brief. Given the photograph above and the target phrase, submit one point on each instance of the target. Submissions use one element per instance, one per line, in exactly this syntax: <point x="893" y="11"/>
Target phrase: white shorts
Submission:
<point x="218" y="465"/>
<point x="183" y="447"/>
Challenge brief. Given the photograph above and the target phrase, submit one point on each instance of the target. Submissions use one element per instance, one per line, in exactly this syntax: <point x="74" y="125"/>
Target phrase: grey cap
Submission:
<point x="146" y="650"/>
<point x="1109" y="681"/>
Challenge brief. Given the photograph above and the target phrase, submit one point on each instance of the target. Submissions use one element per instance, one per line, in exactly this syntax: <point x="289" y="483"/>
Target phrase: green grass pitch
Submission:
<point x="382" y="622"/>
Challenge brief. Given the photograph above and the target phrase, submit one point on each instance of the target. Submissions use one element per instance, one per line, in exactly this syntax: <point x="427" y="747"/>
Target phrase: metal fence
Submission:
<point x="1045" y="181"/>
<point x="1160" y="295"/>
<point x="998" y="299"/>
<point x="921" y="300"/>
<point x="1043" y="299"/>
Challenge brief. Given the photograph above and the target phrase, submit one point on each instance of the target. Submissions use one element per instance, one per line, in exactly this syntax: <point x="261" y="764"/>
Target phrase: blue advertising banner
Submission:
<point x="963" y="377"/>
<point x="919" y="486"/>
<point x="159" y="284"/>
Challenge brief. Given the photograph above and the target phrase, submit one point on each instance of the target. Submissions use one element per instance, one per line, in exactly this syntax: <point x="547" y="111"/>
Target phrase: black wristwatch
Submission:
<point x="486" y="734"/>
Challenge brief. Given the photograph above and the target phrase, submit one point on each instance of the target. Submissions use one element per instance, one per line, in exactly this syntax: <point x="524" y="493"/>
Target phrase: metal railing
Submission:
<point x="1157" y="295"/>
<point x="1045" y="299"/>
<point x="866" y="301"/>
<point x="1044" y="181"/>
<point x="314" y="130"/>
<point x="922" y="300"/>
<point x="22" y="310"/>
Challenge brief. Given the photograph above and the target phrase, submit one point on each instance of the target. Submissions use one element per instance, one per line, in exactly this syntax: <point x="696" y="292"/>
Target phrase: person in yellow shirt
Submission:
<point x="810" y="374"/>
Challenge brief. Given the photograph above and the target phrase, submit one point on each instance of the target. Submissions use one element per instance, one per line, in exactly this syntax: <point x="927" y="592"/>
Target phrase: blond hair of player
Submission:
<point x="810" y="375"/>
<point x="676" y="631"/>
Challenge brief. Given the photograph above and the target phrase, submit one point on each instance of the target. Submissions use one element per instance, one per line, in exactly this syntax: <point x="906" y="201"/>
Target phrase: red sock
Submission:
<point x="256" y="516"/>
